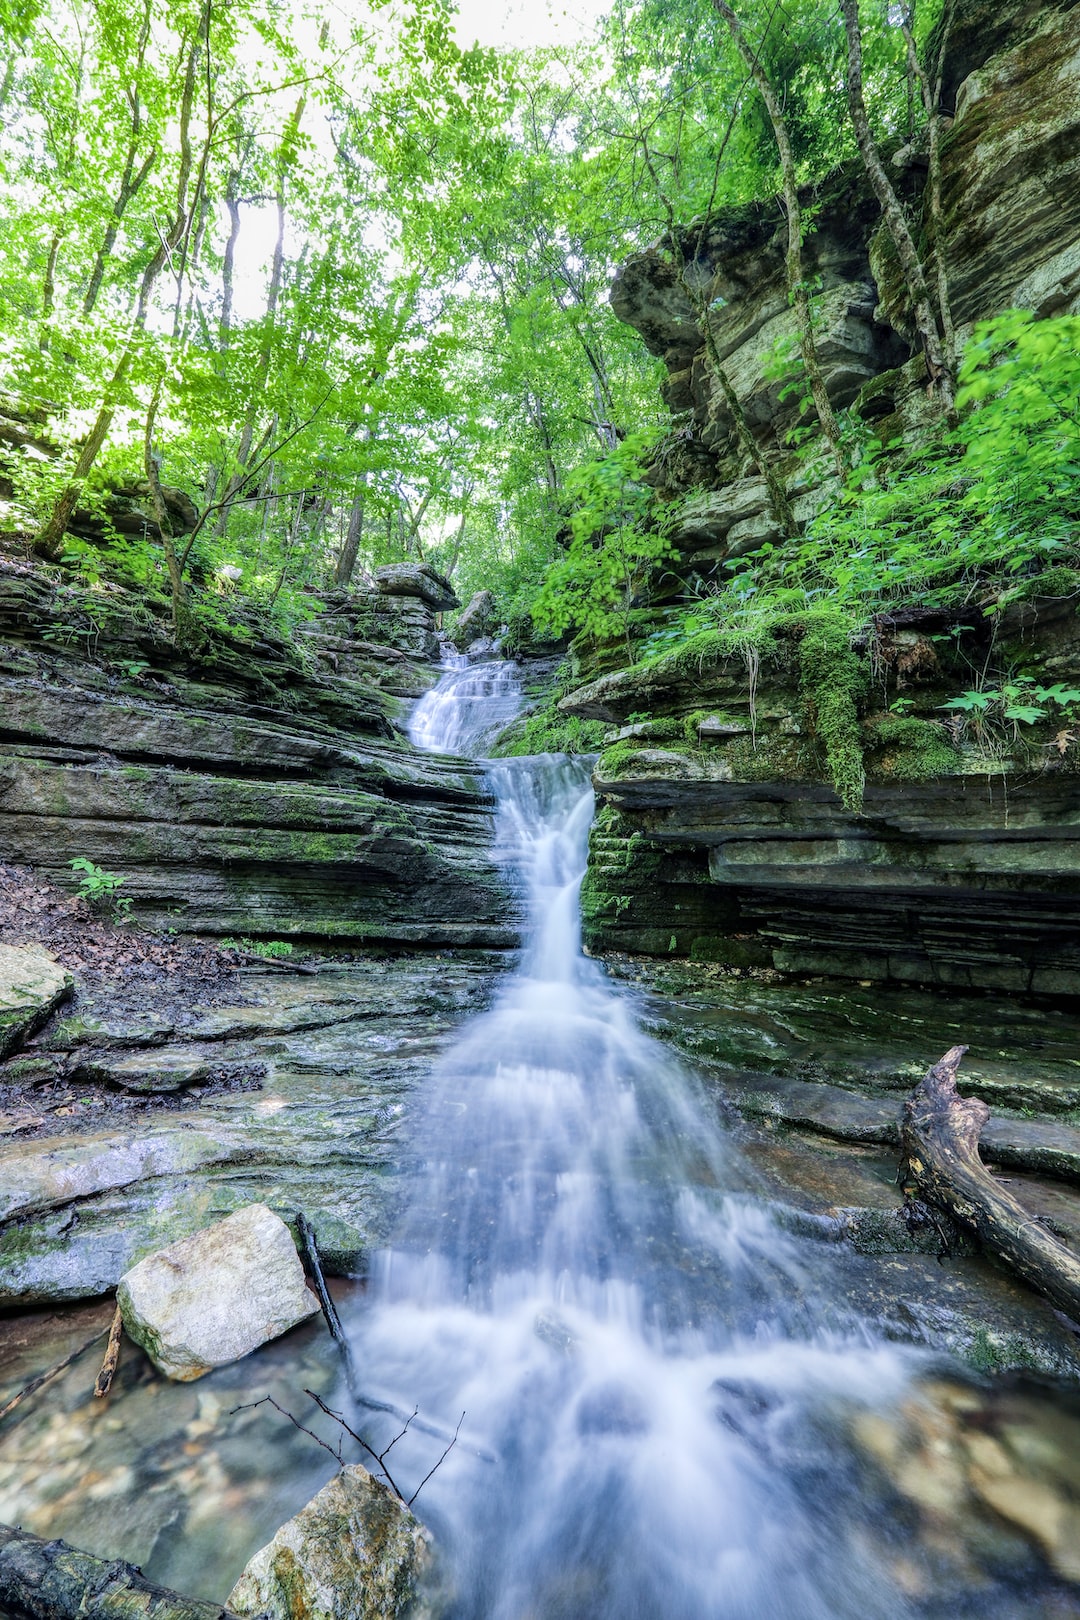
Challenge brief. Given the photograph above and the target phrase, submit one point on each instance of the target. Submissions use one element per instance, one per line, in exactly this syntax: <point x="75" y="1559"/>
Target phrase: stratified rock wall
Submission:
<point x="238" y="789"/>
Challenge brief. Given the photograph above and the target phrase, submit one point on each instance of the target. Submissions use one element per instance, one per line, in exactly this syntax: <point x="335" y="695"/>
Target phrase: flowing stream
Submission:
<point x="651" y="1374"/>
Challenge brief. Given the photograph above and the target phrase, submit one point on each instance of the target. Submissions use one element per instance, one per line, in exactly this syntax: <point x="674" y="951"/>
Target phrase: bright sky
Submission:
<point x="540" y="22"/>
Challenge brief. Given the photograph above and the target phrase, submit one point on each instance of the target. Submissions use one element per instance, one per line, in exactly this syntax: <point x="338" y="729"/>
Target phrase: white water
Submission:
<point x="649" y="1385"/>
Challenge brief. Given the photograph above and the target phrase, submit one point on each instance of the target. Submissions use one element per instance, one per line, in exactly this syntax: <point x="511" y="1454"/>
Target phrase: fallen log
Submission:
<point x="939" y="1138"/>
<point x="48" y="1580"/>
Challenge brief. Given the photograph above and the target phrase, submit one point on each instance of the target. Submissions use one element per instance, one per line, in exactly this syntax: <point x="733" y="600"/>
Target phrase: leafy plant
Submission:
<point x="612" y="550"/>
<point x="272" y="949"/>
<point x="99" y="887"/>
<point x="1021" y="701"/>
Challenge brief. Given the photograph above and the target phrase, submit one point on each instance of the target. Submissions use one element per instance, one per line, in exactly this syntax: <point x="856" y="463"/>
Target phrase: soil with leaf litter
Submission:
<point x="119" y="969"/>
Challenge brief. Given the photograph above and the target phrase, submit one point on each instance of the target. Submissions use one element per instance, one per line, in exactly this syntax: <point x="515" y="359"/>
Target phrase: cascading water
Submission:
<point x="648" y="1377"/>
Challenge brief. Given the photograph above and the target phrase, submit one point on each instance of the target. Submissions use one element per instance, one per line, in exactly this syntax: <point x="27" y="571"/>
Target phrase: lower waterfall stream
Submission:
<point x="683" y="1397"/>
<point x="646" y="1363"/>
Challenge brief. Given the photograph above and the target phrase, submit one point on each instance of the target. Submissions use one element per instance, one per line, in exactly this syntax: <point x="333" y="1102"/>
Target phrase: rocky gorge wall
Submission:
<point x="244" y="788"/>
<point x="721" y="833"/>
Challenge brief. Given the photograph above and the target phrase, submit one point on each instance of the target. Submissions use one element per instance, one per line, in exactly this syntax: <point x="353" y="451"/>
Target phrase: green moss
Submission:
<point x="833" y="679"/>
<point x="549" y="732"/>
<point x="1000" y="1352"/>
<point x="916" y="750"/>
<point x="768" y="758"/>
<point x="618" y="760"/>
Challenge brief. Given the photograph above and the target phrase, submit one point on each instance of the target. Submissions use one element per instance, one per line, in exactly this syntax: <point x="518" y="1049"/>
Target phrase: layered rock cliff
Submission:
<point x="724" y="832"/>
<point x="242" y="787"/>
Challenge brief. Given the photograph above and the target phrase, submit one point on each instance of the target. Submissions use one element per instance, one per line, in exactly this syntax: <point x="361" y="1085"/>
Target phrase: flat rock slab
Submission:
<point x="32" y="985"/>
<point x="217" y="1295"/>
<point x="354" y="1553"/>
<point x="1048" y="1146"/>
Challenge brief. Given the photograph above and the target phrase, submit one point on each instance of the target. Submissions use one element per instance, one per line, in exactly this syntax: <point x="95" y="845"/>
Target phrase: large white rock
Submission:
<point x="32" y="983"/>
<point x="217" y="1295"/>
<point x="354" y="1553"/>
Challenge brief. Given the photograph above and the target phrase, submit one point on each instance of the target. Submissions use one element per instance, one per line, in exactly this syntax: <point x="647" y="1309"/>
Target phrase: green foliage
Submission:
<point x="99" y="887"/>
<point x="997" y="498"/>
<point x="273" y="949"/>
<point x="1020" y="701"/>
<point x="595" y="586"/>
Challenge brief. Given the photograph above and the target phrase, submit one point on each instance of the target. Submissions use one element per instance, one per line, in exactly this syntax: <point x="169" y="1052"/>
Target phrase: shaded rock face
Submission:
<point x="354" y="1553"/>
<point x="722" y="842"/>
<point x="737" y="262"/>
<point x="419" y="580"/>
<point x="720" y="835"/>
<point x="477" y="622"/>
<point x="1010" y="181"/>
<point x="237" y="791"/>
<point x="1011" y="184"/>
<point x="217" y="1295"/>
<point x="32" y="986"/>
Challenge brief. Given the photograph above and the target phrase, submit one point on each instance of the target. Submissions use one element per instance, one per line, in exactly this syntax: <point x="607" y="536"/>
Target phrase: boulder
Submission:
<point x="417" y="579"/>
<point x="354" y="1553"/>
<point x="478" y="620"/>
<point x="32" y="985"/>
<point x="217" y="1295"/>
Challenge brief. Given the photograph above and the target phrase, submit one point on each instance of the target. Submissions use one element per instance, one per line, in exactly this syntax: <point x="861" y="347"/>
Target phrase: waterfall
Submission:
<point x="649" y="1374"/>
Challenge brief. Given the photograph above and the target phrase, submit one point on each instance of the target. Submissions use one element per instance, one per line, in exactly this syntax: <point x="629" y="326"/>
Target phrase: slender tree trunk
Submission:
<point x="779" y="505"/>
<point x="346" y="563"/>
<point x="895" y="221"/>
<point x="50" y="541"/>
<point x="931" y="96"/>
<point x="244" y="454"/>
<point x="798" y="292"/>
<point x="48" y="293"/>
<point x="161" y="512"/>
<point x="228" y="266"/>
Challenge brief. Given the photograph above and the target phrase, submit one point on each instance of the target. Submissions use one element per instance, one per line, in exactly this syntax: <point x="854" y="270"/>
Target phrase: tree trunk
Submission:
<point x="51" y="539"/>
<point x="48" y="294"/>
<point x="346" y="563"/>
<point x="940" y="1141"/>
<point x="150" y="466"/>
<point x="897" y="225"/>
<point x="931" y="96"/>
<point x="796" y="281"/>
<point x="48" y="1580"/>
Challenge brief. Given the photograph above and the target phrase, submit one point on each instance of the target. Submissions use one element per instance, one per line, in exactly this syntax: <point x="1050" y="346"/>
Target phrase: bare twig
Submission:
<point x="333" y="1320"/>
<point x="36" y="1383"/>
<point x="377" y="1457"/>
<point x="439" y="1464"/>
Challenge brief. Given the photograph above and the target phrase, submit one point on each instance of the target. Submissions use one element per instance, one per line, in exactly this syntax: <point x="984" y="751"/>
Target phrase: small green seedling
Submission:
<point x="99" y="887"/>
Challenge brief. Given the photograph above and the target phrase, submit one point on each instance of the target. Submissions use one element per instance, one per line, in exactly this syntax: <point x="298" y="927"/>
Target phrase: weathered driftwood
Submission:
<point x="103" y="1382"/>
<point x="48" y="1580"/>
<point x="940" y="1141"/>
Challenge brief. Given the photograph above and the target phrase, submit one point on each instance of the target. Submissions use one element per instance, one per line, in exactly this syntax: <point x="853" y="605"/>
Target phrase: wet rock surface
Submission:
<point x="215" y="1296"/>
<point x="96" y="1181"/>
<point x="32" y="986"/>
<point x="354" y="1553"/>
<point x="241" y="790"/>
